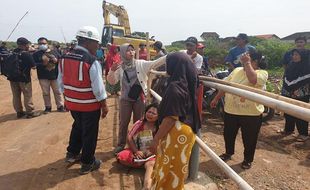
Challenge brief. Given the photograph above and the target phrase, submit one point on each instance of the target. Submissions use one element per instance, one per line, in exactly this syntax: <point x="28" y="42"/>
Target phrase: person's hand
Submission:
<point x="104" y="110"/>
<point x="214" y="103"/>
<point x="153" y="146"/>
<point x="53" y="58"/>
<point x="139" y="154"/>
<point x="245" y="58"/>
<point x="115" y="66"/>
<point x="194" y="55"/>
<point x="45" y="60"/>
<point x="148" y="153"/>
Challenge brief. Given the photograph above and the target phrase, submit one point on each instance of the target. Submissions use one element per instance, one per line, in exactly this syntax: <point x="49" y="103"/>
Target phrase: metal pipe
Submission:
<point x="156" y="96"/>
<point x="160" y="73"/>
<point x="291" y="109"/>
<point x="259" y="91"/>
<point x="220" y="163"/>
<point x="194" y="160"/>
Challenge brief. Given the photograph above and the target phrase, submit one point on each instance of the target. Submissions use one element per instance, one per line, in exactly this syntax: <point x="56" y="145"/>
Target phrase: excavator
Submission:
<point x="120" y="33"/>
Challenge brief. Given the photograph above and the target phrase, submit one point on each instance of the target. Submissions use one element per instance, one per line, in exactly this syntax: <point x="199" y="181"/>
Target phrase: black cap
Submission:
<point x="191" y="40"/>
<point x="243" y="36"/>
<point x="22" y="41"/>
<point x="142" y="44"/>
<point x="158" y="44"/>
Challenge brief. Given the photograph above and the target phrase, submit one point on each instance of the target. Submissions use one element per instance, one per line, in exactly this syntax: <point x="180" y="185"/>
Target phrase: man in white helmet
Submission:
<point x="80" y="79"/>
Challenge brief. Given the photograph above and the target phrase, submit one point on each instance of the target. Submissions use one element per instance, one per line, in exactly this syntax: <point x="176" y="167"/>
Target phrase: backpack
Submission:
<point x="3" y="56"/>
<point x="11" y="65"/>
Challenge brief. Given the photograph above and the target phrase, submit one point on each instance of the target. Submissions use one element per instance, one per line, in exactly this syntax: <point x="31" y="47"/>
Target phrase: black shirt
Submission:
<point x="25" y="66"/>
<point x="42" y="70"/>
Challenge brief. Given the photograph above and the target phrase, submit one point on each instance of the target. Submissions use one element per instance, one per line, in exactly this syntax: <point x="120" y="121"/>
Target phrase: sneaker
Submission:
<point x="47" y="110"/>
<point x="32" y="115"/>
<point x="72" y="158"/>
<point x="225" y="157"/>
<point x="86" y="168"/>
<point x="20" y="114"/>
<point x="246" y="165"/>
<point x="118" y="149"/>
<point x="302" y="138"/>
<point x="61" y="109"/>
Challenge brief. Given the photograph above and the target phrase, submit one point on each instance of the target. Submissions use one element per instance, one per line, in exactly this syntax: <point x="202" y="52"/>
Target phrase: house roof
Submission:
<point x="267" y="36"/>
<point x="296" y="35"/>
<point x="205" y="35"/>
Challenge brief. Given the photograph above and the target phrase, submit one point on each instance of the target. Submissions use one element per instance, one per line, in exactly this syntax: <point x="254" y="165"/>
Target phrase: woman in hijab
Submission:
<point x="243" y="113"/>
<point x="133" y="76"/>
<point x="296" y="82"/>
<point x="113" y="57"/>
<point x="178" y="115"/>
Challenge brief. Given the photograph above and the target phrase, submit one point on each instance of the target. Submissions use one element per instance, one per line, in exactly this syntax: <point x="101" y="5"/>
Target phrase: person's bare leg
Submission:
<point x="148" y="173"/>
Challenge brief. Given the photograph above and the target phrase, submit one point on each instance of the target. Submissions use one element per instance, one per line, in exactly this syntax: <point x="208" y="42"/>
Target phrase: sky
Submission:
<point x="167" y="20"/>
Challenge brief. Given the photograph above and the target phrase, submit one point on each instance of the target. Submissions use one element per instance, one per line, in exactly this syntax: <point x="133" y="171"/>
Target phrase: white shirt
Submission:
<point x="198" y="60"/>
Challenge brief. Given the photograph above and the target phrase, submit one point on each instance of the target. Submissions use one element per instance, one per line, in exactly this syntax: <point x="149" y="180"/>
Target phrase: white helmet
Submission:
<point x="88" y="32"/>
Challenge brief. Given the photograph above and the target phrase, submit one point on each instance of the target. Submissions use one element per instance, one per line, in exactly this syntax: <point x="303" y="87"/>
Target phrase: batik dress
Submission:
<point x="172" y="158"/>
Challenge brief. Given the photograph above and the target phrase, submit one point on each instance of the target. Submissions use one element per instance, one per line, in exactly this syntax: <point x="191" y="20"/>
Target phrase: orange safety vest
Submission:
<point x="77" y="84"/>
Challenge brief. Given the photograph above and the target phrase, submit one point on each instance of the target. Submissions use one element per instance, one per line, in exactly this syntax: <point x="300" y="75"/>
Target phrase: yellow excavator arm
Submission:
<point x="119" y="12"/>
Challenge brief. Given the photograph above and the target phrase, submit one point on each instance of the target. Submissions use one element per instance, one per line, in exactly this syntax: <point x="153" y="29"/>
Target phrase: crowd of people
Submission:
<point x="162" y="136"/>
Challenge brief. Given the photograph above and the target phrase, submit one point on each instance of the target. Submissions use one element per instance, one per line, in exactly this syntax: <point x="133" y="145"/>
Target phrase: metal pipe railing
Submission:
<point x="289" y="108"/>
<point x="220" y="163"/>
<point x="258" y="91"/>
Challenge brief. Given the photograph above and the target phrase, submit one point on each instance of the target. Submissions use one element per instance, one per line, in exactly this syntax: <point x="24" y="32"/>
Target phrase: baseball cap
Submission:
<point x="22" y="41"/>
<point x="191" y="40"/>
<point x="200" y="46"/>
<point x="243" y="36"/>
<point x="158" y="44"/>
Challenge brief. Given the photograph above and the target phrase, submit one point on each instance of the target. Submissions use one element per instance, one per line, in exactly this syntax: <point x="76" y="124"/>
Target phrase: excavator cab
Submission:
<point x="109" y="32"/>
<point x="120" y="33"/>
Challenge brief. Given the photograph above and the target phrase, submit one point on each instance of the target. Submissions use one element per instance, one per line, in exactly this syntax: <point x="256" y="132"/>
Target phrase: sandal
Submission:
<point x="246" y="165"/>
<point x="302" y="138"/>
<point x="225" y="157"/>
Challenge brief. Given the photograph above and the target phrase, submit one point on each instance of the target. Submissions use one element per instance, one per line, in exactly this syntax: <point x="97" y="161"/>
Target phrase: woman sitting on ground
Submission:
<point x="133" y="76"/>
<point x="296" y="82"/>
<point x="138" y="139"/>
<point x="243" y="113"/>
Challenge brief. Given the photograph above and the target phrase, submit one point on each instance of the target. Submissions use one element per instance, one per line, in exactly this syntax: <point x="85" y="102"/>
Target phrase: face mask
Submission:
<point x="43" y="47"/>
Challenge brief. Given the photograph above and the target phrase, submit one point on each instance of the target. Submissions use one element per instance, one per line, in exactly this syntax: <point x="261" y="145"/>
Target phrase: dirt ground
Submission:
<point x="33" y="150"/>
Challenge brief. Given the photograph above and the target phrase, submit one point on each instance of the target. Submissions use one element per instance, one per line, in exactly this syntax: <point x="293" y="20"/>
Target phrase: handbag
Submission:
<point x="135" y="90"/>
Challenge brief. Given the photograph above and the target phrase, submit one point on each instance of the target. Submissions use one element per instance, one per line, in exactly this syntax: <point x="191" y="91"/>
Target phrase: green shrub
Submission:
<point x="274" y="51"/>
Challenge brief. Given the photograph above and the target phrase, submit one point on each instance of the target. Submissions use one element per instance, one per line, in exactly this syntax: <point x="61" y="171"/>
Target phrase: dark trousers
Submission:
<point x="250" y="126"/>
<point x="84" y="135"/>
<point x="126" y="109"/>
<point x="290" y="122"/>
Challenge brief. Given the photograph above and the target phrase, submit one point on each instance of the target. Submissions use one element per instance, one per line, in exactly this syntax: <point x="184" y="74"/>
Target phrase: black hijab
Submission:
<point x="297" y="74"/>
<point x="180" y="96"/>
